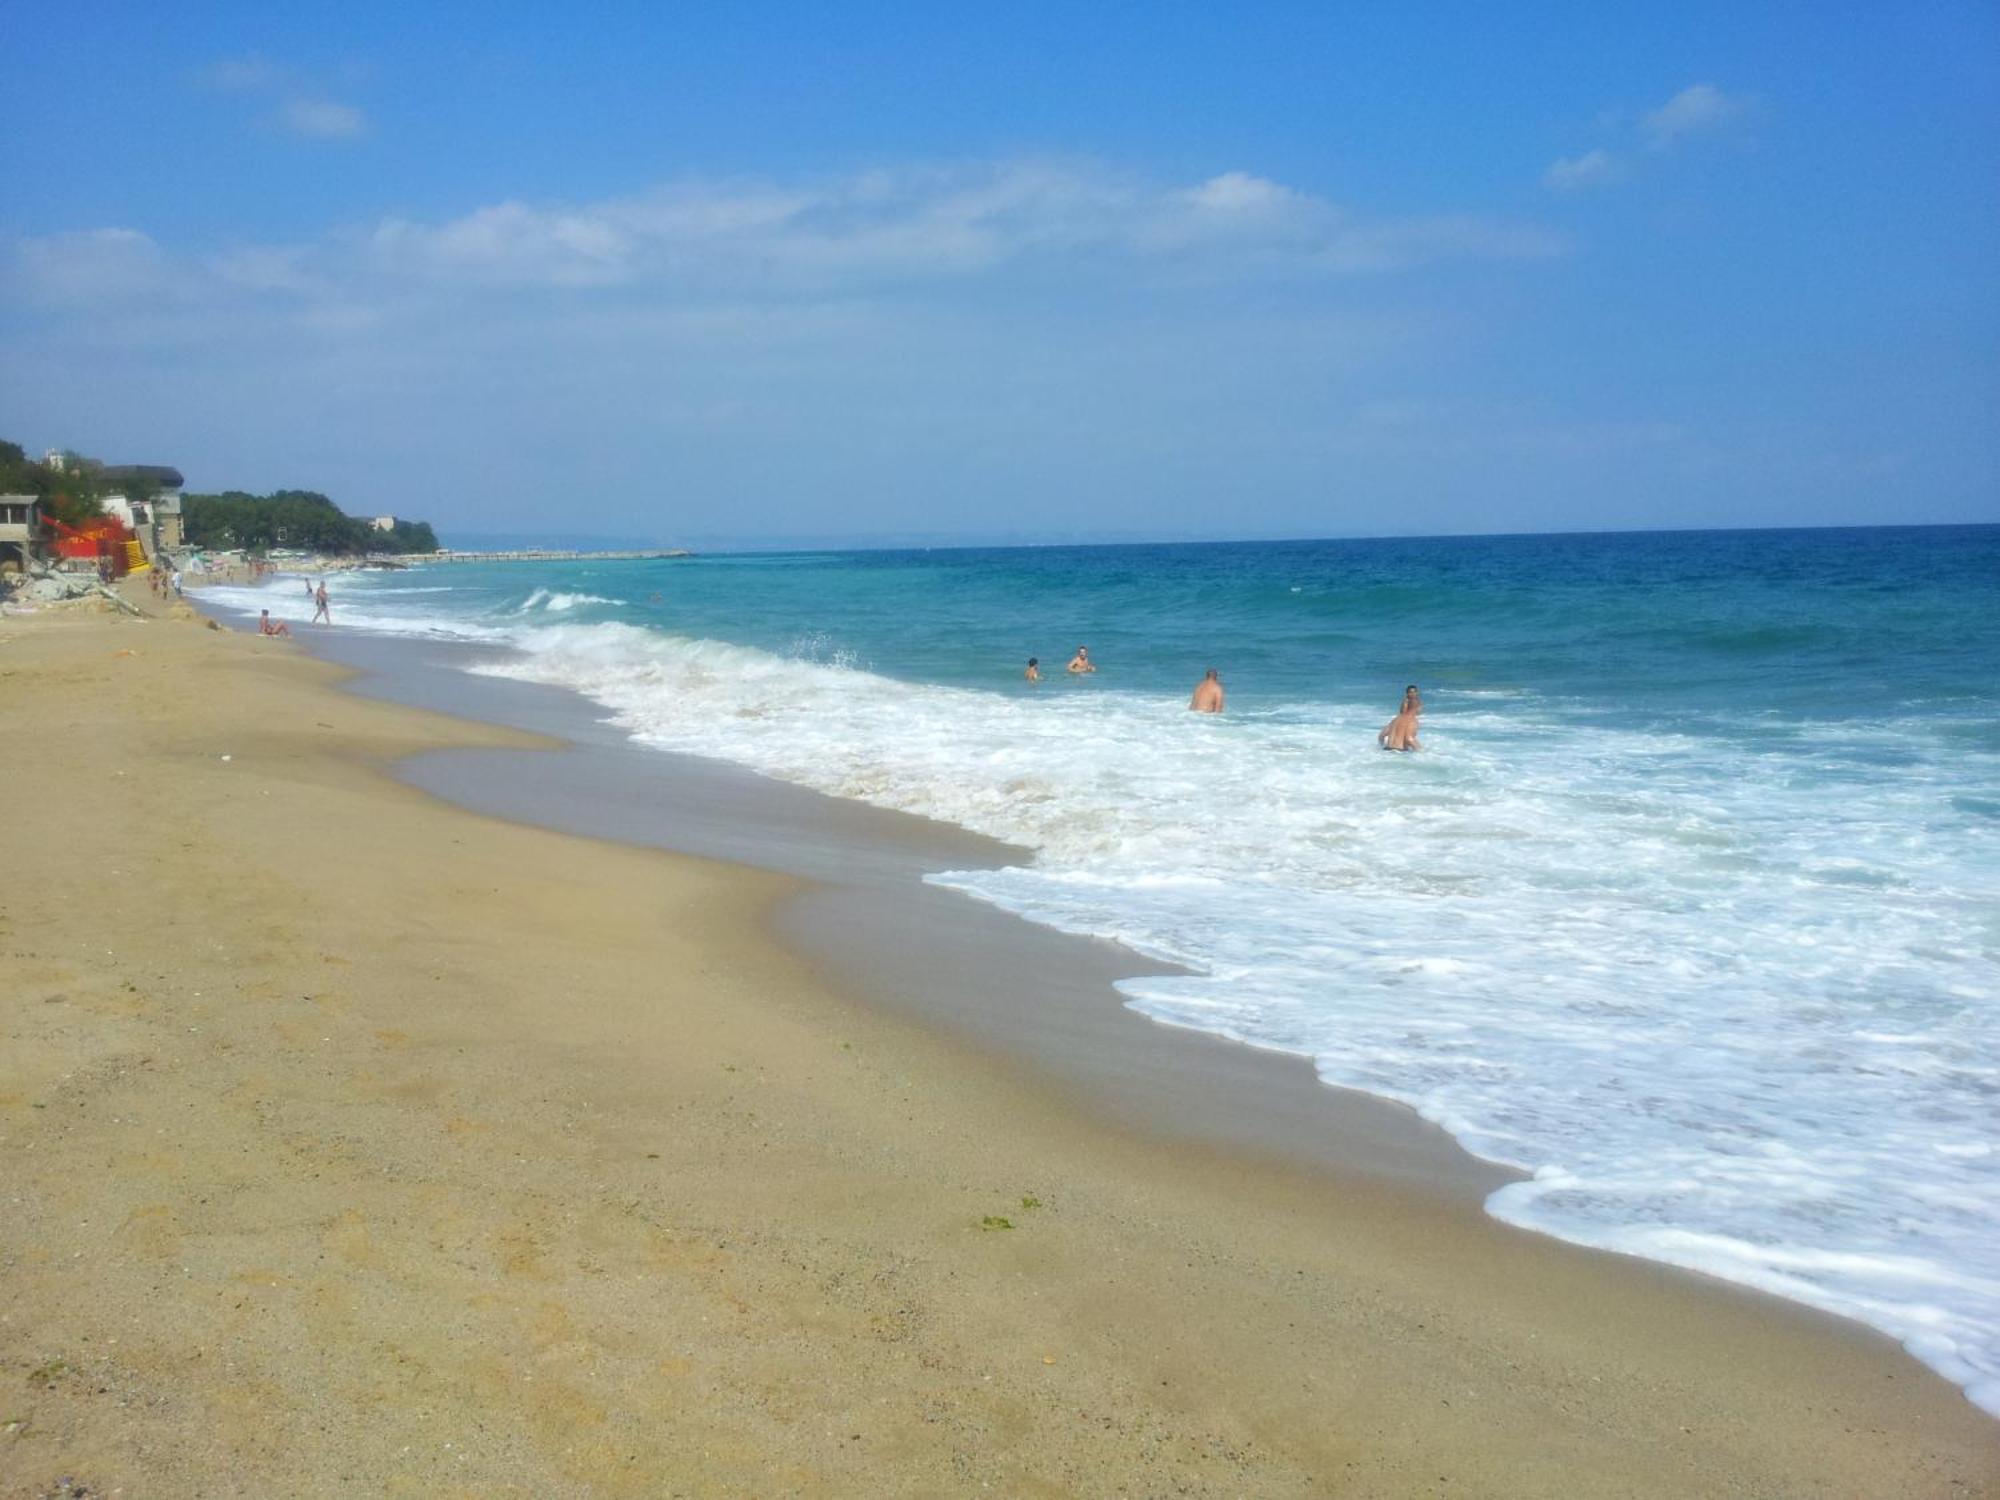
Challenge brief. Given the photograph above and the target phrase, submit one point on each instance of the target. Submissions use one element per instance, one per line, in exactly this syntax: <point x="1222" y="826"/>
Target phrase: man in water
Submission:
<point x="1080" y="663"/>
<point x="1207" y="697"/>
<point x="1034" y="672"/>
<point x="1400" y="733"/>
<point x="268" y="626"/>
<point x="320" y="609"/>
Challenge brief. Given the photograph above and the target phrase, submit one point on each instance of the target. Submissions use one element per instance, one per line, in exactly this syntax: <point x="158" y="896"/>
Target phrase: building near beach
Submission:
<point x="147" y="498"/>
<point x="20" y="520"/>
<point x="383" y="523"/>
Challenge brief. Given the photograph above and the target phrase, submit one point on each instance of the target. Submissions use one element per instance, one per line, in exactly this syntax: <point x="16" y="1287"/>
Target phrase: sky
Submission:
<point x="768" y="275"/>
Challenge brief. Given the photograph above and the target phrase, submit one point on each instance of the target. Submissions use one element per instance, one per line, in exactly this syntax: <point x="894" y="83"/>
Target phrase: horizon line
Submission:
<point x="775" y="548"/>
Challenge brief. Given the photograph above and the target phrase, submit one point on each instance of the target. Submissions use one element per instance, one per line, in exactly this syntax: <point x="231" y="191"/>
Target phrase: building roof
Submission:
<point x="159" y="476"/>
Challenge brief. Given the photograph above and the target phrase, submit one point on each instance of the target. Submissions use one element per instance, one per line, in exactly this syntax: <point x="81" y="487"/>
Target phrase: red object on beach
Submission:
<point x="94" y="541"/>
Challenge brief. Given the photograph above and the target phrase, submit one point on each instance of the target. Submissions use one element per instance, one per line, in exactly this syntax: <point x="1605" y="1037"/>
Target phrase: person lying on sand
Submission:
<point x="1400" y="733"/>
<point x="268" y="626"/>
<point x="1207" y="697"/>
<point x="1081" y="662"/>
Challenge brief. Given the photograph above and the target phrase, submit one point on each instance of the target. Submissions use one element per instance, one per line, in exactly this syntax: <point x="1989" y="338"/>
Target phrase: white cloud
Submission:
<point x="1699" y="109"/>
<point x="1593" y="169"/>
<point x="784" y="258"/>
<point x="302" y="108"/>
<point x="92" y="268"/>
<point x="509" y="241"/>
<point x="931" y="223"/>
<point x="1238" y="194"/>
<point x="267" y="268"/>
<point x="1695" y="110"/>
<point x="323" y="119"/>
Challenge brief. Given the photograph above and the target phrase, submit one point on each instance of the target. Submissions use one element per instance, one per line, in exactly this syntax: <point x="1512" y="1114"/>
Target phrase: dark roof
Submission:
<point x="157" y="475"/>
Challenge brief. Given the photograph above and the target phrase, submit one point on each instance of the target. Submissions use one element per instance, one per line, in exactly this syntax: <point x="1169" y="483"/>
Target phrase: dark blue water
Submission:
<point x="1791" y="622"/>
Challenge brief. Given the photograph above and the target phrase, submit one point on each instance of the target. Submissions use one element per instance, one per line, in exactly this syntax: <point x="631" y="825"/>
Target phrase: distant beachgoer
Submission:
<point x="1034" y="672"/>
<point x="268" y="626"/>
<point x="309" y="587"/>
<point x="1400" y="733"/>
<point x="320" y="609"/>
<point x="1207" y="697"/>
<point x="1081" y="662"/>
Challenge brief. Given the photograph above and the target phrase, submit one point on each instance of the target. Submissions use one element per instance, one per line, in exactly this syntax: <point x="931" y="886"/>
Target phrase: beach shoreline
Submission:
<point x="371" y="1144"/>
<point x="867" y="917"/>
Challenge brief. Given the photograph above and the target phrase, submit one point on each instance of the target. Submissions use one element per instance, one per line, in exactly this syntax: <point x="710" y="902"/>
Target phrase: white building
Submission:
<point x="156" y="519"/>
<point x="383" y="523"/>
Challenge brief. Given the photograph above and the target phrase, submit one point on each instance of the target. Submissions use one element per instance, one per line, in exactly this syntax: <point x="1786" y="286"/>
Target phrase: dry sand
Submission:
<point x="355" y="1144"/>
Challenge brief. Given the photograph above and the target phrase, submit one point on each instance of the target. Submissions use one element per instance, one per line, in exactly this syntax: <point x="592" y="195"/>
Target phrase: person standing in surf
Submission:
<point x="1207" y="697"/>
<point x="1400" y="733"/>
<point x="1081" y="663"/>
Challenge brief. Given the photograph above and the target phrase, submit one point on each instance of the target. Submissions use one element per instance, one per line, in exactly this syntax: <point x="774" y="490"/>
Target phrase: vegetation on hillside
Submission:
<point x="69" y="494"/>
<point x="304" y="519"/>
<point x="293" y="518"/>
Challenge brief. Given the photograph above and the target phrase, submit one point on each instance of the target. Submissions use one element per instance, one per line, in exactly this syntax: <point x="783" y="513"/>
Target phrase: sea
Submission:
<point x="1688" y="908"/>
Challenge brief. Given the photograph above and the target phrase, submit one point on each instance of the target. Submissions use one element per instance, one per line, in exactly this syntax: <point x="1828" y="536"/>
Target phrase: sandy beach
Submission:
<point x="360" y="1144"/>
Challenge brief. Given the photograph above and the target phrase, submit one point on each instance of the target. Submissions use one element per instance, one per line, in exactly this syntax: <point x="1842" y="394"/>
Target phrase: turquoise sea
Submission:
<point x="1690" y="908"/>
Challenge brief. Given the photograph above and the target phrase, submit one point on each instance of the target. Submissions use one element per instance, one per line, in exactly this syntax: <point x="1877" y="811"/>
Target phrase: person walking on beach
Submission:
<point x="1400" y="733"/>
<point x="1081" y="663"/>
<point x="320" y="610"/>
<point x="268" y="626"/>
<point x="1207" y="697"/>
<point x="1034" y="672"/>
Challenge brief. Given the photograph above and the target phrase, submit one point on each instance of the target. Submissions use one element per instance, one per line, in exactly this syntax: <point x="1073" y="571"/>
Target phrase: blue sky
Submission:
<point x="765" y="273"/>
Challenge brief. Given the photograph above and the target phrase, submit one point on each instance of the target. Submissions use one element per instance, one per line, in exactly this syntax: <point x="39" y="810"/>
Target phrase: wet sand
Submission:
<point x="361" y="1144"/>
<point x="867" y="921"/>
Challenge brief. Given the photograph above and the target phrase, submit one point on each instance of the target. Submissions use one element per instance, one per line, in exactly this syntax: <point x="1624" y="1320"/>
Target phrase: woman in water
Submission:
<point x="1400" y="733"/>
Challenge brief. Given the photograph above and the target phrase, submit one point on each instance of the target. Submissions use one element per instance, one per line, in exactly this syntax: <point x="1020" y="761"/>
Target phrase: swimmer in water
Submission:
<point x="1400" y="733"/>
<point x="1207" y="697"/>
<point x="1081" y="663"/>
<point x="1034" y="672"/>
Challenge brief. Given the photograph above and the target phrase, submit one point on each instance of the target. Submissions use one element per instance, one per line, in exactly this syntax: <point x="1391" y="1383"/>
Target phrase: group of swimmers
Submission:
<point x="1400" y="733"/>
<point x="1078" y="665"/>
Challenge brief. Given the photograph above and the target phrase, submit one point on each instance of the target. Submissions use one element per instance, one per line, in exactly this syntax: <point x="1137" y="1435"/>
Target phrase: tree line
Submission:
<point x="304" y="519"/>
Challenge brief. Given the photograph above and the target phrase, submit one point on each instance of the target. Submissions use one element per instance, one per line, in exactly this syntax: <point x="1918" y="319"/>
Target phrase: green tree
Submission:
<point x="410" y="536"/>
<point x="304" y="519"/>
